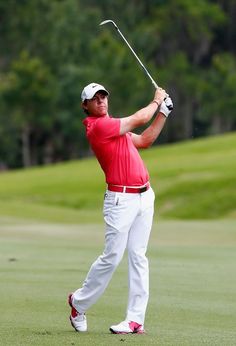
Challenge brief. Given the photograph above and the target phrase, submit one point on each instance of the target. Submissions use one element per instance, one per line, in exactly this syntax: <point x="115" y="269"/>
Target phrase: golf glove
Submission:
<point x="166" y="106"/>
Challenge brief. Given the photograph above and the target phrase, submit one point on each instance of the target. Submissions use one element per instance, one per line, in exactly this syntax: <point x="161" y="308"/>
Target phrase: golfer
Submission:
<point x="128" y="203"/>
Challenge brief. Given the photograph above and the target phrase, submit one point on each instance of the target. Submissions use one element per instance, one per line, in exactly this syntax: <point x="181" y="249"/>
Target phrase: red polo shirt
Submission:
<point x="117" y="155"/>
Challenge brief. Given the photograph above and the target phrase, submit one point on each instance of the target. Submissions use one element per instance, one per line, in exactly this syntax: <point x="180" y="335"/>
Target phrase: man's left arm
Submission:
<point x="148" y="136"/>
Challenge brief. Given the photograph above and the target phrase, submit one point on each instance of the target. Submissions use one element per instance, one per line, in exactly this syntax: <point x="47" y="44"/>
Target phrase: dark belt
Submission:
<point x="126" y="189"/>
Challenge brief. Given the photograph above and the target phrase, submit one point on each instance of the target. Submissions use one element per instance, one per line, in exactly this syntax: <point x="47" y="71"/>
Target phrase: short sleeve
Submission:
<point x="107" y="127"/>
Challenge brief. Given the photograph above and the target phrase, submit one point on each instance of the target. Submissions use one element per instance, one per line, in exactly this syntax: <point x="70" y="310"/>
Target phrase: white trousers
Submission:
<point x="128" y="219"/>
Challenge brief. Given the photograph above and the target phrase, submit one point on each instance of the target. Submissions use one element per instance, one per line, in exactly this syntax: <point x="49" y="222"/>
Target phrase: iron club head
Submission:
<point x="108" y="21"/>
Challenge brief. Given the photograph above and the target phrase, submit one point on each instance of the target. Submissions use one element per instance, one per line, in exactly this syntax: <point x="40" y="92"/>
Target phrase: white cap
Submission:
<point x="90" y="90"/>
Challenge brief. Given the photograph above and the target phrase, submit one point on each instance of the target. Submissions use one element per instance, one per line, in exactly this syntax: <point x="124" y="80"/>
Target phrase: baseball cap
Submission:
<point x="90" y="90"/>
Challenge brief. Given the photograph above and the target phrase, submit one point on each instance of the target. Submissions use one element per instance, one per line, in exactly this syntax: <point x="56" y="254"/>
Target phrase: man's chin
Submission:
<point x="102" y="114"/>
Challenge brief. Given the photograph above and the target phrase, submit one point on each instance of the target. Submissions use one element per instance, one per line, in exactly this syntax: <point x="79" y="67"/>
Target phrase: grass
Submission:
<point x="51" y="232"/>
<point x="193" y="284"/>
<point x="192" y="180"/>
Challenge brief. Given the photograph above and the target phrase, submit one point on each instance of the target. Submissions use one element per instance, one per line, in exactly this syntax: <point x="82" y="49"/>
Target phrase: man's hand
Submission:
<point x="166" y="106"/>
<point x="159" y="96"/>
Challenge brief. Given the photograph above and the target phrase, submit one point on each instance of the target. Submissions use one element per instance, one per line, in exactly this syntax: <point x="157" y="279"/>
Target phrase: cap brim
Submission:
<point x="91" y="94"/>
<point x="96" y="90"/>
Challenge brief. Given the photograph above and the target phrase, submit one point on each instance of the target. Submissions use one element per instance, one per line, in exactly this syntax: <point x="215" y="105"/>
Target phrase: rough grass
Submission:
<point x="192" y="180"/>
<point x="192" y="288"/>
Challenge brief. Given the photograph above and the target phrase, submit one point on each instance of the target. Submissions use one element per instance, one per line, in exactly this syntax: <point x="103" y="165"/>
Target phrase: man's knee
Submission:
<point x="111" y="261"/>
<point x="137" y="255"/>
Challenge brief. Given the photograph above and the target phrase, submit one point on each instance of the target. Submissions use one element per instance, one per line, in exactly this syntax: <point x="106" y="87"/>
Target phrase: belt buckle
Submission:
<point x="143" y="189"/>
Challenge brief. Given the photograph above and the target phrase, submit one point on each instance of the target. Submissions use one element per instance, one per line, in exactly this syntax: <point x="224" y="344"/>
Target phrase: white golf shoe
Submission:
<point x="78" y="321"/>
<point x="127" y="327"/>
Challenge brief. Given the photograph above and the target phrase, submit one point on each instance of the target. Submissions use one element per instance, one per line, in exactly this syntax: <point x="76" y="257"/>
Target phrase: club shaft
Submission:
<point x="140" y="62"/>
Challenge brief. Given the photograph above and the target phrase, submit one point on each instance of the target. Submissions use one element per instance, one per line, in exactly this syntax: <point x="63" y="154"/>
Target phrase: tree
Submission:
<point x="31" y="90"/>
<point x="218" y="93"/>
<point x="50" y="49"/>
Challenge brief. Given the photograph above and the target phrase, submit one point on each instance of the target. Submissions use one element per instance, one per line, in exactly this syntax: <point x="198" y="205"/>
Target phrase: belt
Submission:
<point x="128" y="189"/>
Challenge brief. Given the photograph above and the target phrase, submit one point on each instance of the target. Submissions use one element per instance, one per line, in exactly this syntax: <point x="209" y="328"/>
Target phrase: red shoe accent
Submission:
<point x="74" y="312"/>
<point x="136" y="327"/>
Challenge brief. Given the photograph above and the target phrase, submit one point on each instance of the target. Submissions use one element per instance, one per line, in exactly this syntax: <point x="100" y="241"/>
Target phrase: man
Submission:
<point x="128" y="203"/>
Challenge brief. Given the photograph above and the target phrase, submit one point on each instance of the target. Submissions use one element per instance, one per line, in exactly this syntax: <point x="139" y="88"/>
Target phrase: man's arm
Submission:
<point x="148" y="136"/>
<point x="142" y="116"/>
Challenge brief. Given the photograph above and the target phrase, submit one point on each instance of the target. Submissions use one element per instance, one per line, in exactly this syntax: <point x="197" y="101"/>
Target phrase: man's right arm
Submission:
<point x="142" y="116"/>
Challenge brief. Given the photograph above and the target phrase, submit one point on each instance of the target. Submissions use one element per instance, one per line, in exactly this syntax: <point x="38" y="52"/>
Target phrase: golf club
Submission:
<point x="140" y="62"/>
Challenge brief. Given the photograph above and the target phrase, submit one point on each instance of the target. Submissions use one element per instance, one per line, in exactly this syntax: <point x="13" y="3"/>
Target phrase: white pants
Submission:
<point x="128" y="219"/>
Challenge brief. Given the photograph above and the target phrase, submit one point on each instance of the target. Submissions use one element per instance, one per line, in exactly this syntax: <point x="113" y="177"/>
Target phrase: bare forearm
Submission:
<point x="140" y="118"/>
<point x="148" y="136"/>
<point x="144" y="115"/>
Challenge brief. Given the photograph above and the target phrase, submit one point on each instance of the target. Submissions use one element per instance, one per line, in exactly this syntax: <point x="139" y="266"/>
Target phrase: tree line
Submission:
<point x="49" y="50"/>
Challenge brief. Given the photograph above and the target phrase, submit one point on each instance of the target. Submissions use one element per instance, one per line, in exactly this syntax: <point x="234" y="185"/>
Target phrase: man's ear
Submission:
<point x="84" y="105"/>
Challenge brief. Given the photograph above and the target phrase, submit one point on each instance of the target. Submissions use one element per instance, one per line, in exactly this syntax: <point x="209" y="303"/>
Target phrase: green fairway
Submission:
<point x="193" y="284"/>
<point x="51" y="231"/>
<point x="192" y="180"/>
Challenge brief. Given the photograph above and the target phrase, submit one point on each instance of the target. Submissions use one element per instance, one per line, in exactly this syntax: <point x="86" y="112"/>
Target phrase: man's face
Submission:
<point x="98" y="105"/>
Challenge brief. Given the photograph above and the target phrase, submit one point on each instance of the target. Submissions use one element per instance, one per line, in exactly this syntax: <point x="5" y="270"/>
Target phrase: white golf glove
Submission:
<point x="166" y="106"/>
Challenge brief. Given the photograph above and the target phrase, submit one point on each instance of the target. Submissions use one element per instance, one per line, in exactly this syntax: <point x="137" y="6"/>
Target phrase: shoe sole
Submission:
<point x="73" y="325"/>
<point x="123" y="333"/>
<point x="70" y="300"/>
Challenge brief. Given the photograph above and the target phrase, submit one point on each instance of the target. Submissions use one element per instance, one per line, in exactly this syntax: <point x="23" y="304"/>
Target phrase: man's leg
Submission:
<point x="119" y="216"/>
<point x="138" y="262"/>
<point x="101" y="270"/>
